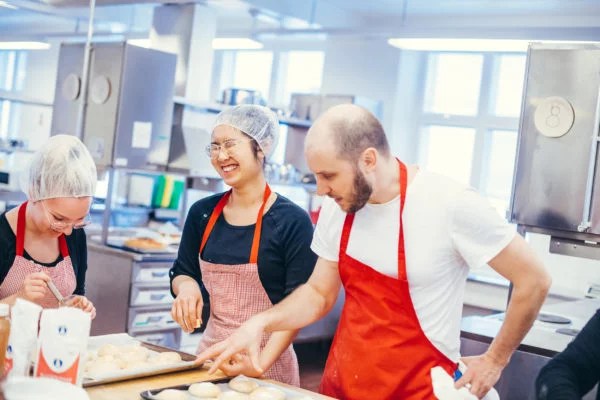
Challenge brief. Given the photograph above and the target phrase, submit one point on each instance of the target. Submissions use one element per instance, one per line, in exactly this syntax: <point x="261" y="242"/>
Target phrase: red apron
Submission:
<point x="379" y="350"/>
<point x="62" y="274"/>
<point x="236" y="294"/>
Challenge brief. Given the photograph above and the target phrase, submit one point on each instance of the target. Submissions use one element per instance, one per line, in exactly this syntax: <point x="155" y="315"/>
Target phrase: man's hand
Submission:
<point x="240" y="364"/>
<point x="245" y="341"/>
<point x="482" y="374"/>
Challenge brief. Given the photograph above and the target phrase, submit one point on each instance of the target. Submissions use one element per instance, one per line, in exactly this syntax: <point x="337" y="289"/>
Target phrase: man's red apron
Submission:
<point x="379" y="350"/>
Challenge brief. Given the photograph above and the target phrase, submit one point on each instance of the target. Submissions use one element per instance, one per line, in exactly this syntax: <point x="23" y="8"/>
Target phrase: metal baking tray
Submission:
<point x="119" y="243"/>
<point x="291" y="393"/>
<point x="123" y="339"/>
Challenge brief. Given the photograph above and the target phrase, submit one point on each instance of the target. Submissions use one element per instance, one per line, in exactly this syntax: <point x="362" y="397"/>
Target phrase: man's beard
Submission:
<point x="361" y="192"/>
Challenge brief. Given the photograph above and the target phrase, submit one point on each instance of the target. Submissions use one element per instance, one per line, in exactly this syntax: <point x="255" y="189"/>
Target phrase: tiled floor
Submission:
<point x="311" y="357"/>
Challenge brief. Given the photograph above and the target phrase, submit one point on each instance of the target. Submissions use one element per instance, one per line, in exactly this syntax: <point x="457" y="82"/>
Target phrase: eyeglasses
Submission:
<point x="213" y="150"/>
<point x="61" y="226"/>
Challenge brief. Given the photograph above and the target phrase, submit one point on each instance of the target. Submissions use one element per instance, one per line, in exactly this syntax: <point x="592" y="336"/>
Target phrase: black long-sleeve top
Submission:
<point x="285" y="260"/>
<point x="575" y="371"/>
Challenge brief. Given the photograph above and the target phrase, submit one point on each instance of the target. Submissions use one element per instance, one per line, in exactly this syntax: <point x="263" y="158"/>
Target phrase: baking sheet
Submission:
<point x="290" y="394"/>
<point x="123" y="339"/>
<point x="119" y="243"/>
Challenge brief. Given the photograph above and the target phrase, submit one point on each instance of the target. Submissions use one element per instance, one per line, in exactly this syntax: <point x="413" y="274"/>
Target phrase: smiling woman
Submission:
<point x="41" y="241"/>
<point x="245" y="249"/>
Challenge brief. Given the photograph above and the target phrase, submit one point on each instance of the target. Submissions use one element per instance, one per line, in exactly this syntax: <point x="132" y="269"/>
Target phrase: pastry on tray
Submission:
<point x="145" y="243"/>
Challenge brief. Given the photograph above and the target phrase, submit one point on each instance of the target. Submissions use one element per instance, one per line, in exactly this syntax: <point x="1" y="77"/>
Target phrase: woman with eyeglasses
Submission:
<point x="41" y="241"/>
<point x="244" y="250"/>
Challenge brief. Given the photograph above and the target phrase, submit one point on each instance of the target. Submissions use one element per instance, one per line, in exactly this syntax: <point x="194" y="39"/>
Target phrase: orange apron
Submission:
<point x="236" y="294"/>
<point x="379" y="350"/>
<point x="62" y="274"/>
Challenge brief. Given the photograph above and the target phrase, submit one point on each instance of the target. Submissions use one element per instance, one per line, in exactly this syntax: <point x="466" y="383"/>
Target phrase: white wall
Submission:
<point x="363" y="67"/>
<point x="40" y="81"/>
<point x="570" y="275"/>
<point x="404" y="139"/>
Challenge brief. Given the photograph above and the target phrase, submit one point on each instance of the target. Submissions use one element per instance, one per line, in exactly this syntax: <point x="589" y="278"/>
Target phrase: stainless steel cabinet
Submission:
<point x="131" y="293"/>
<point x="556" y="161"/>
<point x="129" y="103"/>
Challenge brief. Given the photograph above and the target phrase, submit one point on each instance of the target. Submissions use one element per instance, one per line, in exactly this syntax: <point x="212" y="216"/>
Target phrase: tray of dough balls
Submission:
<point x="119" y="357"/>
<point x="238" y="388"/>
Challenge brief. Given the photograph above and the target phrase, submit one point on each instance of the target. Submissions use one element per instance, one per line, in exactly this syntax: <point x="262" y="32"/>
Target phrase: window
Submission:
<point x="450" y="151"/>
<point x="21" y="68"/>
<point x="470" y="120"/>
<point x="251" y="70"/>
<point x="13" y="66"/>
<point x="278" y="156"/>
<point x="501" y="163"/>
<point x="303" y="73"/>
<point x="509" y="86"/>
<point x="453" y="82"/>
<point x="7" y="69"/>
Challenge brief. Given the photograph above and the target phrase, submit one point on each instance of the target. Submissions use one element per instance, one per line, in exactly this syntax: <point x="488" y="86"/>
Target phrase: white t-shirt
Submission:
<point x="448" y="228"/>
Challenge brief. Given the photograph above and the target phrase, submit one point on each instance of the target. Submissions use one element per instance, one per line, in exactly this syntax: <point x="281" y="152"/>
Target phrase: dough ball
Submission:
<point x="168" y="357"/>
<point x="101" y="367"/>
<point x="112" y="359"/>
<point x="109" y="350"/>
<point x="133" y="347"/>
<point x="243" y="385"/>
<point x="206" y="390"/>
<point x="139" y="354"/>
<point x="90" y="356"/>
<point x="233" y="396"/>
<point x="172" y="394"/>
<point x="267" y="393"/>
<point x="135" y="364"/>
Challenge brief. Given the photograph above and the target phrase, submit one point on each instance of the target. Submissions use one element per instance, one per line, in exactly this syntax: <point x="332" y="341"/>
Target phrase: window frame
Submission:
<point x="13" y="74"/>
<point x="224" y="64"/>
<point x="484" y="121"/>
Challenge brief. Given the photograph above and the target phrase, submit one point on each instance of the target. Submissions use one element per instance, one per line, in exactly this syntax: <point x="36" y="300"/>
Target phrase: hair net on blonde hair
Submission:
<point x="63" y="167"/>
<point x="258" y="122"/>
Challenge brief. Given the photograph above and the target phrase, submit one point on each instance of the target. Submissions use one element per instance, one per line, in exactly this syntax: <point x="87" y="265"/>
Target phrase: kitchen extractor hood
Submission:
<point x="555" y="187"/>
<point x="129" y="109"/>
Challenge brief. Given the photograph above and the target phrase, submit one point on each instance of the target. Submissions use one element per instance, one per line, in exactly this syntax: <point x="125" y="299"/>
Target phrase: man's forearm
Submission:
<point x="278" y="342"/>
<point x="522" y="311"/>
<point x="301" y="308"/>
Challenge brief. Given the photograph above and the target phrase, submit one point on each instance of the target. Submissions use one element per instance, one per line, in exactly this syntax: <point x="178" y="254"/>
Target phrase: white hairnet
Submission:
<point x="63" y="167"/>
<point x="258" y="122"/>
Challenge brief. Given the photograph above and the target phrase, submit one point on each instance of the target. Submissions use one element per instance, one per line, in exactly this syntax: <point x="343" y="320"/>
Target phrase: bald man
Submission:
<point x="402" y="241"/>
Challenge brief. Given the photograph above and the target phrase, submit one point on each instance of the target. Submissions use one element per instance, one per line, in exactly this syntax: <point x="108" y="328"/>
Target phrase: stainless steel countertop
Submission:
<point x="542" y="338"/>
<point x="102" y="248"/>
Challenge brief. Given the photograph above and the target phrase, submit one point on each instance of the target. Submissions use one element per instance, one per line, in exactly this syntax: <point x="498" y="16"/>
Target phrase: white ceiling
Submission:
<point x="502" y="18"/>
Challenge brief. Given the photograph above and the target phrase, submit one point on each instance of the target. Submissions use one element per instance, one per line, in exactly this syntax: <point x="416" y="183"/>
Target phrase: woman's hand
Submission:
<point x="187" y="310"/>
<point x="87" y="306"/>
<point x="34" y="287"/>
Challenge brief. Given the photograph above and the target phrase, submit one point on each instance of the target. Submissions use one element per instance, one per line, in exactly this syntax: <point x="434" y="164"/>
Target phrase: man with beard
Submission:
<point x="402" y="241"/>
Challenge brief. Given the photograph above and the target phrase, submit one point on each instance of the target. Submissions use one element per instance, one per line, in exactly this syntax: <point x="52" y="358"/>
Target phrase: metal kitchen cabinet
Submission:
<point x="131" y="293"/>
<point x="555" y="187"/>
<point x="129" y="103"/>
